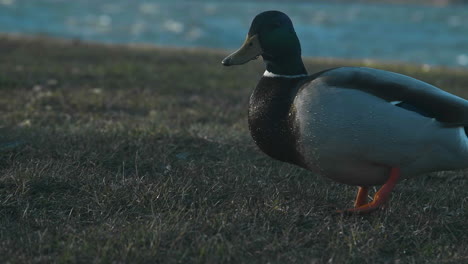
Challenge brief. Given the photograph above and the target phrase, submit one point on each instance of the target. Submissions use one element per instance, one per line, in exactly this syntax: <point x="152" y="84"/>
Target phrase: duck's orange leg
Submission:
<point x="380" y="197"/>
<point x="361" y="198"/>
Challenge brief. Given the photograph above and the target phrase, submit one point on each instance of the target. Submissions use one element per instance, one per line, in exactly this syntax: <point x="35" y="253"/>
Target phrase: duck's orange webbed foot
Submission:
<point x="380" y="198"/>
<point x="361" y="198"/>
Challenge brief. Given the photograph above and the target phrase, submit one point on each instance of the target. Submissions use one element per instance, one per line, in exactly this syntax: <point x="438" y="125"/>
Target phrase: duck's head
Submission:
<point x="271" y="36"/>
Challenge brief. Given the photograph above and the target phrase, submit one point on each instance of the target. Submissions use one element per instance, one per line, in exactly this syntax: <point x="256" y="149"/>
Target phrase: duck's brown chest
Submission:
<point x="272" y="118"/>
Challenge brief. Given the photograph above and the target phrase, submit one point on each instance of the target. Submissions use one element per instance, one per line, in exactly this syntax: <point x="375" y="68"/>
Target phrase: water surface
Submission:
<point x="408" y="33"/>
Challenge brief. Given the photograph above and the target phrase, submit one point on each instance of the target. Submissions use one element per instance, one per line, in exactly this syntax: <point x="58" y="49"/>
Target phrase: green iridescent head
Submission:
<point x="272" y="36"/>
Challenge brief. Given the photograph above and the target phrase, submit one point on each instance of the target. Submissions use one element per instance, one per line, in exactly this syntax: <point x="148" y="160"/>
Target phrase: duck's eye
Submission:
<point x="250" y="44"/>
<point x="276" y="25"/>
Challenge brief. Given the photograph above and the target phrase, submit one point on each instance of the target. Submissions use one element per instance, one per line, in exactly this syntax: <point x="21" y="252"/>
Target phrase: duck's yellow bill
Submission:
<point x="250" y="50"/>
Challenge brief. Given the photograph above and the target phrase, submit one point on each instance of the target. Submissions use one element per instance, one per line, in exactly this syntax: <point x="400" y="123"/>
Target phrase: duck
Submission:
<point x="355" y="125"/>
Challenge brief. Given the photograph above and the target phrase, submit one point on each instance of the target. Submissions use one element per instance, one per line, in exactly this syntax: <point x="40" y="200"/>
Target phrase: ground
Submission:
<point x="142" y="154"/>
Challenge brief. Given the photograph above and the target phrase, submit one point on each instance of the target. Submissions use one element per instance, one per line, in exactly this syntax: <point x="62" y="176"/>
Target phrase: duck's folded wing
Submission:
<point x="436" y="103"/>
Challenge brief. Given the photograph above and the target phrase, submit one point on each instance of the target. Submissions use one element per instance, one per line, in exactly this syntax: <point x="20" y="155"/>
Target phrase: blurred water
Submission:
<point x="408" y="33"/>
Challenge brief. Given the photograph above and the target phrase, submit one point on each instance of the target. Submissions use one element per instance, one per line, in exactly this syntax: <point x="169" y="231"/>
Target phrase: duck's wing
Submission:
<point x="394" y="87"/>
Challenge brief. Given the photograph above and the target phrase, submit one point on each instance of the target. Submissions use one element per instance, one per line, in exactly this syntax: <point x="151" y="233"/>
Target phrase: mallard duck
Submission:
<point x="356" y="125"/>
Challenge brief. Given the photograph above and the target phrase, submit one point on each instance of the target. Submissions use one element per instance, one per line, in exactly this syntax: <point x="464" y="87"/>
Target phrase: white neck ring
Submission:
<point x="274" y="75"/>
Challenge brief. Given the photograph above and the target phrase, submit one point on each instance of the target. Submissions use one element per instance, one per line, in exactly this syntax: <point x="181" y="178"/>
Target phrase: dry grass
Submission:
<point x="118" y="154"/>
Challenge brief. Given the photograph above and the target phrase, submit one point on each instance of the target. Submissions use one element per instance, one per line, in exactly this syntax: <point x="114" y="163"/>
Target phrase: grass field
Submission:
<point x="121" y="154"/>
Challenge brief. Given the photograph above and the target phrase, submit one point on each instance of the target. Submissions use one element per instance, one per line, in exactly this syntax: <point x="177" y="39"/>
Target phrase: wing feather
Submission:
<point x="443" y="106"/>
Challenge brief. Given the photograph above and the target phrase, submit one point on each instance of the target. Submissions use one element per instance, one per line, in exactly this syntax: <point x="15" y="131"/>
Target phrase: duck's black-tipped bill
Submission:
<point x="250" y="50"/>
<point x="227" y="61"/>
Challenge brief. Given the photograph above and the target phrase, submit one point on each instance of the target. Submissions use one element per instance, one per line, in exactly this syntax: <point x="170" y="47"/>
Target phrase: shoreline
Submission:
<point x="367" y="62"/>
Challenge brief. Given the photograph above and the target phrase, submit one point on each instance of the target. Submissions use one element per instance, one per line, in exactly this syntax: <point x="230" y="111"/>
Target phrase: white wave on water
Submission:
<point x="149" y="8"/>
<point x="7" y="2"/>
<point x="462" y="59"/>
<point x="173" y="26"/>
